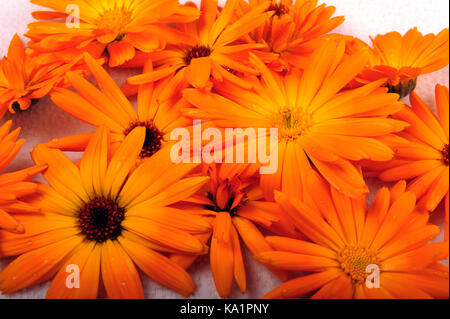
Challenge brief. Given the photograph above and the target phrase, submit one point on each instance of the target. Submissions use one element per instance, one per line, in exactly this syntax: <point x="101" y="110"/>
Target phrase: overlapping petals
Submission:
<point x="139" y="202"/>
<point x="66" y="232"/>
<point x="118" y="27"/>
<point x="346" y="238"/>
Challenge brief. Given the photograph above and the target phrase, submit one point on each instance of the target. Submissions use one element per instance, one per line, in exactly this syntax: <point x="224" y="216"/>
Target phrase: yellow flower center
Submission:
<point x="198" y="51"/>
<point x="354" y="262"/>
<point x="292" y="123"/>
<point x="115" y="19"/>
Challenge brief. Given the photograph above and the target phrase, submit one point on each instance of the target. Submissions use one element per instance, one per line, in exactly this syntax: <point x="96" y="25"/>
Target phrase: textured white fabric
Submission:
<point x="363" y="18"/>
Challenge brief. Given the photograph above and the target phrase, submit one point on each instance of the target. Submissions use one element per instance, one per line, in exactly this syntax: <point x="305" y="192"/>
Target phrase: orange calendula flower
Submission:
<point x="234" y="200"/>
<point x="315" y="122"/>
<point x="23" y="81"/>
<point x="379" y="252"/>
<point x="401" y="59"/>
<point x="105" y="219"/>
<point x="119" y="26"/>
<point x="110" y="108"/>
<point x="15" y="187"/>
<point x="422" y="152"/>
<point x="292" y="32"/>
<point x="214" y="53"/>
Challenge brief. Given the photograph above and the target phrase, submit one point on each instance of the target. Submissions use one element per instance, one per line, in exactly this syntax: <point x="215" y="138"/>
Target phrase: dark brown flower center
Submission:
<point x="403" y="88"/>
<point x="278" y="8"/>
<point x="17" y="109"/>
<point x="101" y="219"/>
<point x="153" y="137"/>
<point x="445" y="155"/>
<point x="199" y="51"/>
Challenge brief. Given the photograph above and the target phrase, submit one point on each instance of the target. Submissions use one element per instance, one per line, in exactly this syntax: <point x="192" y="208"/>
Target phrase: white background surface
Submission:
<point x="362" y="18"/>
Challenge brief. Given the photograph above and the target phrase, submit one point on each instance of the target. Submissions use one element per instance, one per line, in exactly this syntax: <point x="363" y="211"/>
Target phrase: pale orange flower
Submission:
<point x="293" y="31"/>
<point x="421" y="152"/>
<point x="401" y="59"/>
<point x="121" y="27"/>
<point x="388" y="241"/>
<point x="316" y="122"/>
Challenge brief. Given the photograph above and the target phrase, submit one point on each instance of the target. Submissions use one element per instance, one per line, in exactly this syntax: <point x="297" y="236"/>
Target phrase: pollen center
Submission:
<point x="101" y="219"/>
<point x="199" y="51"/>
<point x="292" y="123"/>
<point x="278" y="8"/>
<point x="354" y="261"/>
<point x="445" y="155"/>
<point x="153" y="137"/>
<point x="116" y="20"/>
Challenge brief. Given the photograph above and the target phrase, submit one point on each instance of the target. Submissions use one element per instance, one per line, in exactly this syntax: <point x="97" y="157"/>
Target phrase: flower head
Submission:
<point x="15" y="187"/>
<point x="421" y="151"/>
<point x="105" y="218"/>
<point x="109" y="107"/>
<point x="316" y="122"/>
<point x="355" y="252"/>
<point x="293" y="31"/>
<point x="119" y="27"/>
<point x="215" y="51"/>
<point x="401" y="59"/>
<point x="23" y="80"/>
<point x="235" y="202"/>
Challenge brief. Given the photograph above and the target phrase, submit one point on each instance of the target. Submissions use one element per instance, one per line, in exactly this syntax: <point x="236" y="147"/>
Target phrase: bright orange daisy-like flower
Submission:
<point x="15" y="186"/>
<point x="214" y="53"/>
<point x="23" y="81"/>
<point x="119" y="26"/>
<point x="401" y="59"/>
<point x="293" y="31"/>
<point x="315" y="123"/>
<point x="104" y="218"/>
<point x="235" y="201"/>
<point x="110" y="108"/>
<point x="422" y="153"/>
<point x="380" y="252"/>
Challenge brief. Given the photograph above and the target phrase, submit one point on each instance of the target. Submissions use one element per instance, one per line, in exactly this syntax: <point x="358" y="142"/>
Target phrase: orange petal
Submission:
<point x="302" y="285"/>
<point x="239" y="269"/>
<point x="340" y="288"/>
<point x="159" y="268"/>
<point x="43" y="264"/>
<point x="87" y="259"/>
<point x="119" y="274"/>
